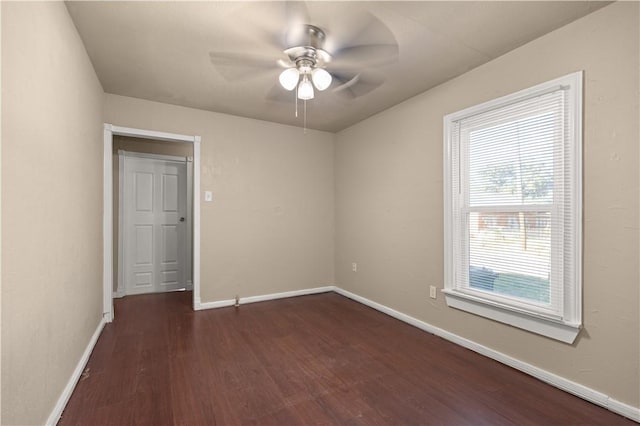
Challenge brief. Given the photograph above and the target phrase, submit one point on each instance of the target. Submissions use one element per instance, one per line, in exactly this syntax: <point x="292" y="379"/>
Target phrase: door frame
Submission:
<point x="188" y="261"/>
<point x="107" y="214"/>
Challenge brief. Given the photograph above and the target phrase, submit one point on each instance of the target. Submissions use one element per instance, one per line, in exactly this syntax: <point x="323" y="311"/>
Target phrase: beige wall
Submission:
<point x="147" y="146"/>
<point x="389" y="201"/>
<point x="52" y="207"/>
<point x="270" y="227"/>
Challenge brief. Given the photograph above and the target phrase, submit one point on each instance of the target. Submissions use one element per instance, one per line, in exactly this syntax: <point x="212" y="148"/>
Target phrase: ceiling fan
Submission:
<point x="309" y="57"/>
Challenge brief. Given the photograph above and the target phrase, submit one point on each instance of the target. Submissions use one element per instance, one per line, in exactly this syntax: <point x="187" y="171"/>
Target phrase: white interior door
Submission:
<point x="154" y="237"/>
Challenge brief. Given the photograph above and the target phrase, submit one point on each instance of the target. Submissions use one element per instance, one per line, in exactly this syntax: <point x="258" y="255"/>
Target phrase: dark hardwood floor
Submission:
<point x="320" y="359"/>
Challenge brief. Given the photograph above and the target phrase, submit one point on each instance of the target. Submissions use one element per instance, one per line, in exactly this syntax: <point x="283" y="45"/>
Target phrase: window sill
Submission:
<point x="554" y="329"/>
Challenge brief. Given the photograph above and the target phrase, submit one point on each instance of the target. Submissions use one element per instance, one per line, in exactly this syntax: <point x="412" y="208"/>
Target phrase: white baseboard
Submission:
<point x="55" y="415"/>
<point x="566" y="385"/>
<point x="199" y="306"/>
<point x="294" y="293"/>
<point x="623" y="409"/>
<point x="262" y="298"/>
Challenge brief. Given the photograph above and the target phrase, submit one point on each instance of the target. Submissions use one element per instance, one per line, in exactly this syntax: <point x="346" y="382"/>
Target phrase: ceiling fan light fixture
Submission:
<point x="289" y="78"/>
<point x="321" y="78"/>
<point x="305" y="89"/>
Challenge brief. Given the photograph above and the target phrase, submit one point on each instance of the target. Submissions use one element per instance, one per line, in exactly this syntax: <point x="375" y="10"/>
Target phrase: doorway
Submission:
<point x="153" y="218"/>
<point x="109" y="258"/>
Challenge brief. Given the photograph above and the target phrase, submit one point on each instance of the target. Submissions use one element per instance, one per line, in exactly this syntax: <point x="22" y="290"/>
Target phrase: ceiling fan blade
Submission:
<point x="366" y="55"/>
<point x="278" y="94"/>
<point x="297" y="13"/>
<point x="296" y="17"/>
<point x="264" y="23"/>
<point x="361" y="41"/>
<point x="271" y="24"/>
<point x="358" y="29"/>
<point x="234" y="66"/>
<point x="356" y="85"/>
<point x="243" y="59"/>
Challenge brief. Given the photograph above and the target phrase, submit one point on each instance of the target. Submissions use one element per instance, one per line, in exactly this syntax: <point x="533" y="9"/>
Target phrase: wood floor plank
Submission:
<point x="320" y="359"/>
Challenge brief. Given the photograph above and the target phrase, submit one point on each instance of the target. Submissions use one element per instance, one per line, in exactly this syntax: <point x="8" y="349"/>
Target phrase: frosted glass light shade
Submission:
<point x="305" y="89"/>
<point x="321" y="78"/>
<point x="289" y="78"/>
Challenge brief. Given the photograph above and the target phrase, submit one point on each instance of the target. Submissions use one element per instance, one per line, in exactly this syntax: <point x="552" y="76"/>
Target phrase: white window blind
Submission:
<point x="513" y="205"/>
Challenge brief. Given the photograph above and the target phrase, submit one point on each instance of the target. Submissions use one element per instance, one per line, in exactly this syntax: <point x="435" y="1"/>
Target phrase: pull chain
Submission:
<point x="305" y="116"/>
<point x="305" y="111"/>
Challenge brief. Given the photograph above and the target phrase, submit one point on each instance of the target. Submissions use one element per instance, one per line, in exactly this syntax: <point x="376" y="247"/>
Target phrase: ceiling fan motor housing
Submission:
<point x="307" y="48"/>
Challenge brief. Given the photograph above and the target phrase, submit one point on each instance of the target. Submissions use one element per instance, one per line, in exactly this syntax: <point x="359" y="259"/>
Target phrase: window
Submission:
<point x="513" y="185"/>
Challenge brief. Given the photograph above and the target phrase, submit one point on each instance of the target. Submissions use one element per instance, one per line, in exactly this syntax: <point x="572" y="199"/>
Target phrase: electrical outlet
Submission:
<point x="432" y="292"/>
<point x="354" y="267"/>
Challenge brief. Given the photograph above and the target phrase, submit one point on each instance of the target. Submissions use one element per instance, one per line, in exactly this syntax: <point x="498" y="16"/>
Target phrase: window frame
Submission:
<point x="565" y="326"/>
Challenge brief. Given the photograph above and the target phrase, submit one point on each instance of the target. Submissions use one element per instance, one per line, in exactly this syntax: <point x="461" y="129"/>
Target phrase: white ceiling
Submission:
<point x="160" y="50"/>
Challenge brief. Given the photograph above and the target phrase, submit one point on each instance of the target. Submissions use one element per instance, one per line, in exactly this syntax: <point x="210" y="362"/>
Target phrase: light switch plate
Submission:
<point x="208" y="196"/>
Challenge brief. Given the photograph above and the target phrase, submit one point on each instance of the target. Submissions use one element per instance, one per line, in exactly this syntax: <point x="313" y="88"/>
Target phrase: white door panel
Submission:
<point x="154" y="235"/>
<point x="169" y="193"/>
<point x="143" y="187"/>
<point x="169" y="253"/>
<point x="143" y="240"/>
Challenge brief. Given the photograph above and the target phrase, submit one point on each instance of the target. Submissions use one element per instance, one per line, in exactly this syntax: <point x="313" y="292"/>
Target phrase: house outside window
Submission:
<point x="513" y="185"/>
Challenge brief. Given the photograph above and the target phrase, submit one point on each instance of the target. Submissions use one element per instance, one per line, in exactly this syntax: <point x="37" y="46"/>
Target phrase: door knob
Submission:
<point x="182" y="219"/>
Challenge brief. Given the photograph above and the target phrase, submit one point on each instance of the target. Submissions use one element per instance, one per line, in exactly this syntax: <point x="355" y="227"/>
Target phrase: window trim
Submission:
<point x="566" y="328"/>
